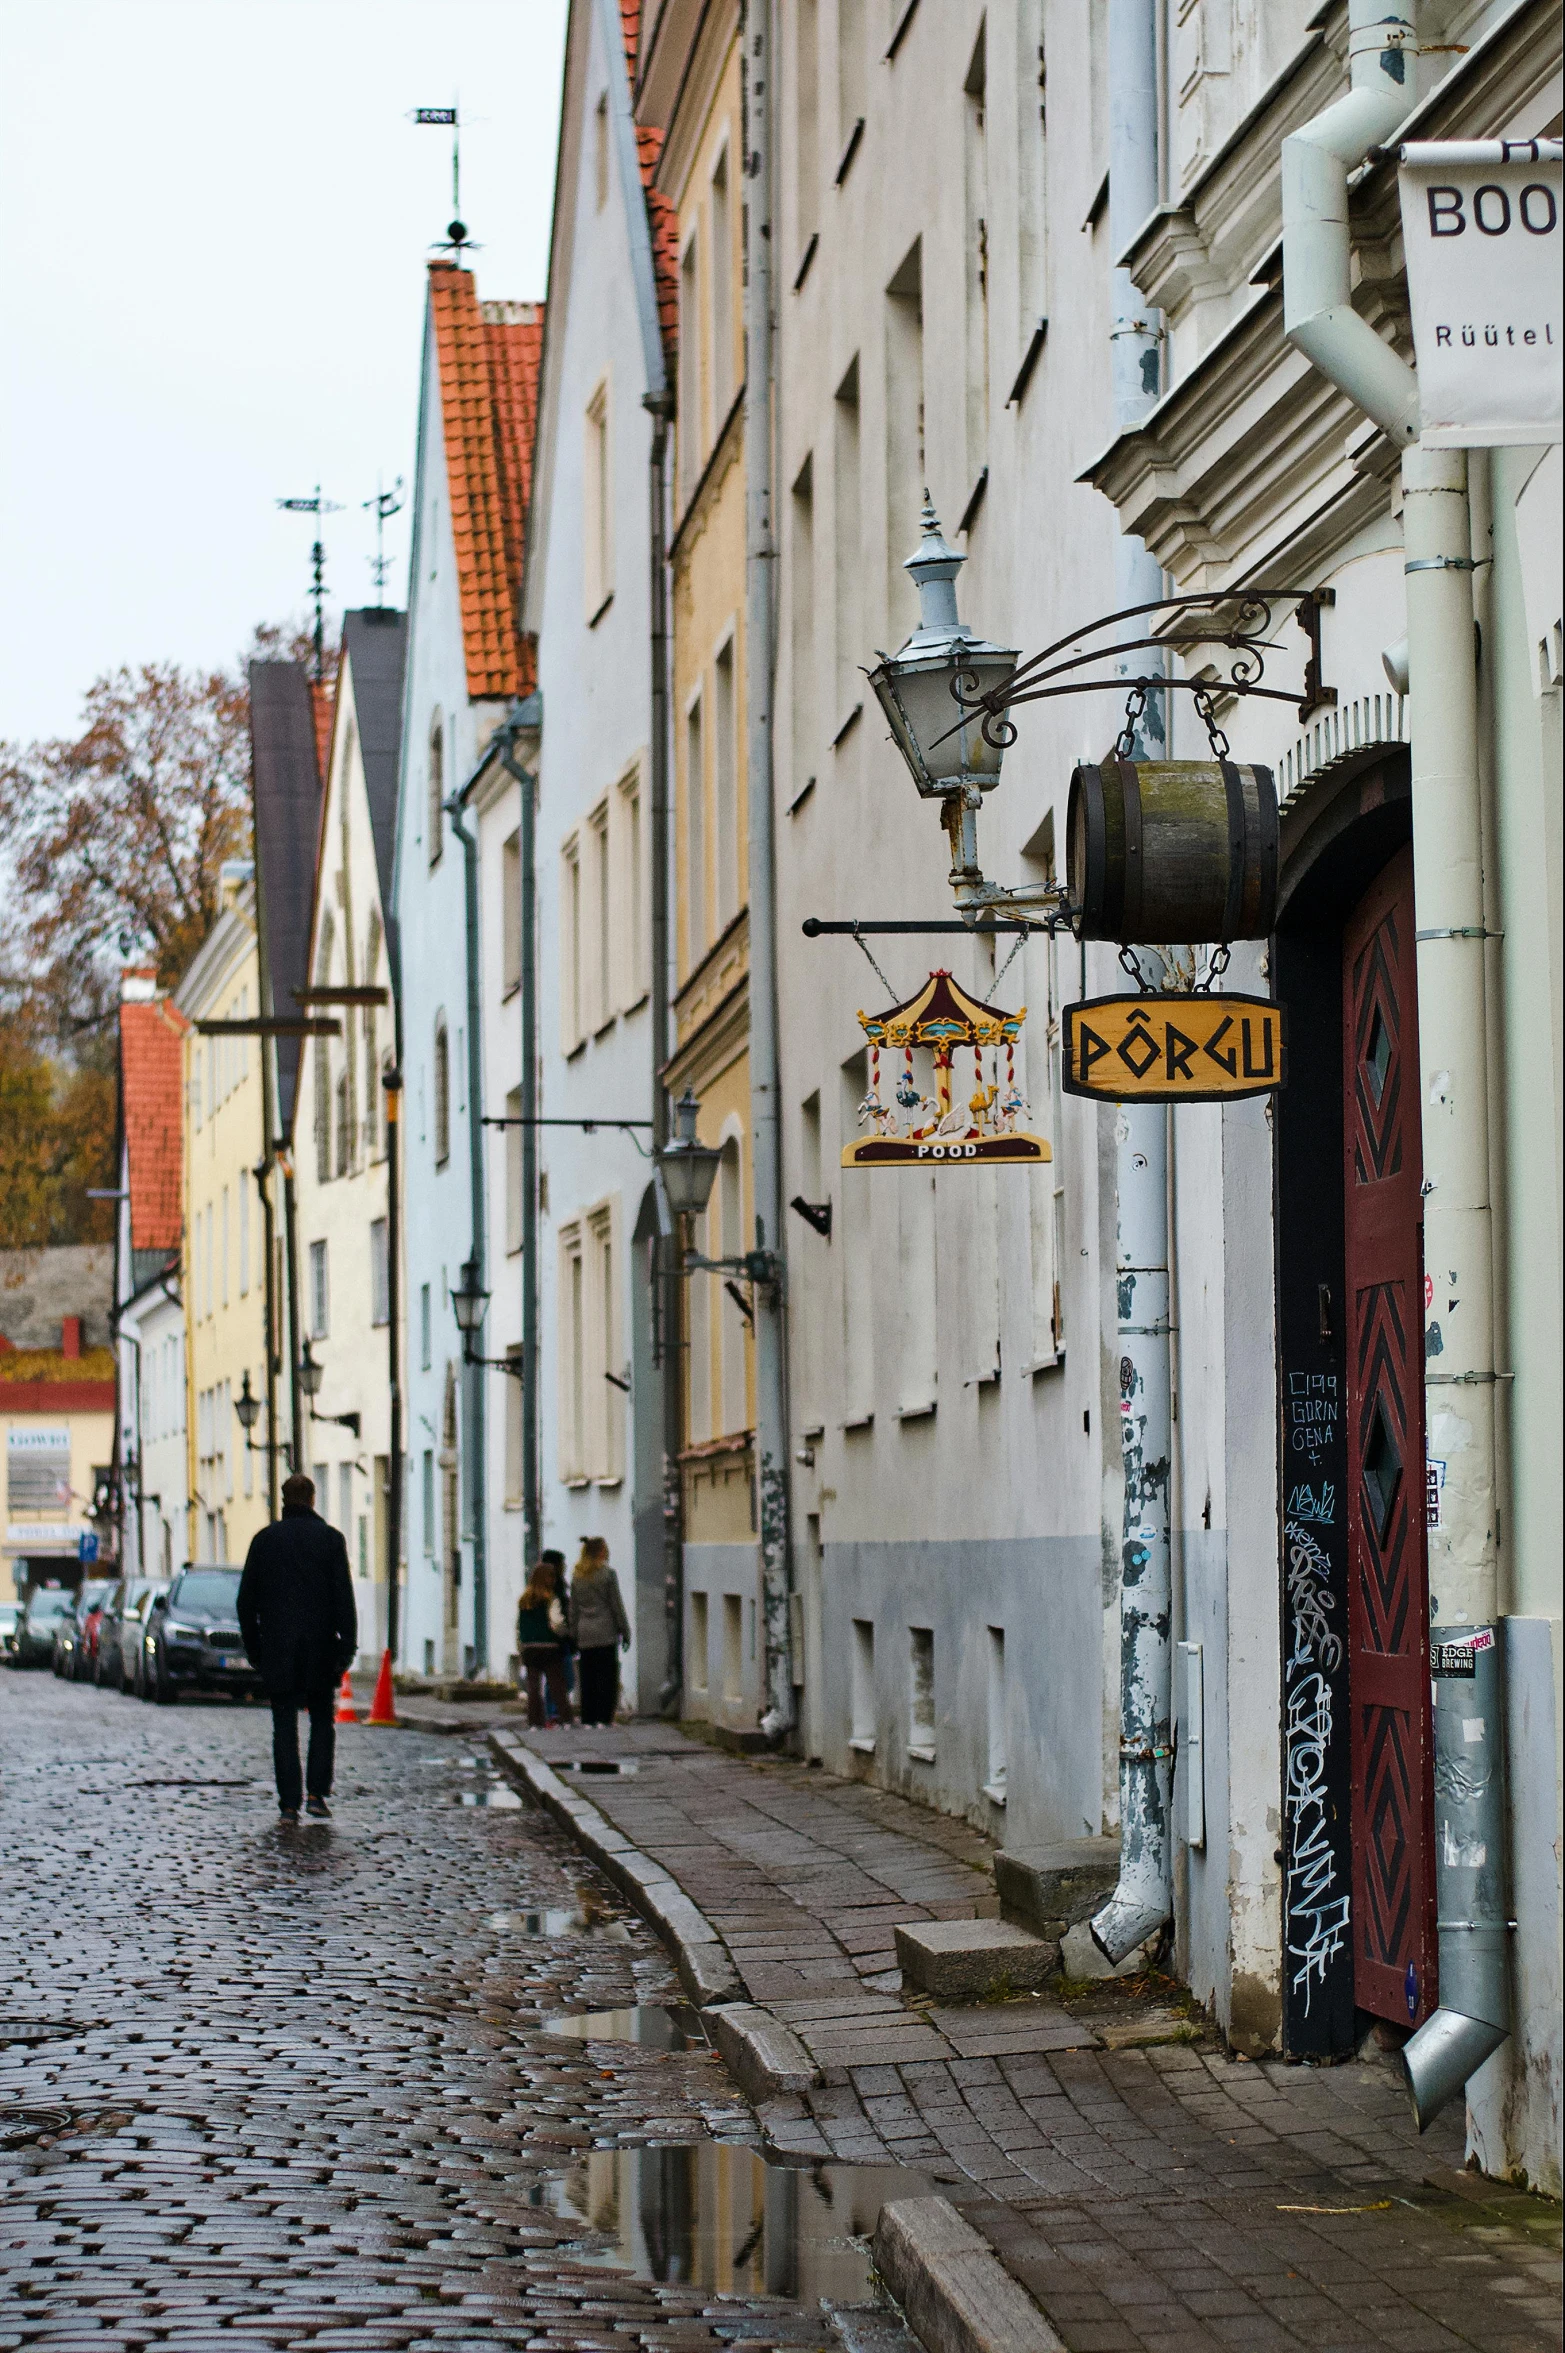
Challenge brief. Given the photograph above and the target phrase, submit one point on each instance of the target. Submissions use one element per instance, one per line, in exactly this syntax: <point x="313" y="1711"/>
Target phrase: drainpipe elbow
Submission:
<point x="1439" y="2058"/>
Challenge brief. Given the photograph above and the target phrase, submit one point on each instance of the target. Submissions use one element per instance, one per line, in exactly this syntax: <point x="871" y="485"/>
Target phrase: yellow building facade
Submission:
<point x="224" y="1264"/>
<point x="700" y="171"/>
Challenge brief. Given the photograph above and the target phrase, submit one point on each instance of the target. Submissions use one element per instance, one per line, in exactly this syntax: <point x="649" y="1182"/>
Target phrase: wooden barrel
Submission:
<point x="1172" y="850"/>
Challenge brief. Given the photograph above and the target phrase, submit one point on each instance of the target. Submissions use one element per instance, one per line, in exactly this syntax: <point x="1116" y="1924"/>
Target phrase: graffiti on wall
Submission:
<point x="1317" y="1899"/>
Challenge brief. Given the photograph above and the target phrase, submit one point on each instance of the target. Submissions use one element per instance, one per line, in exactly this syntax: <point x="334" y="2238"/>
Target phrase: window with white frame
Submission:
<point x="515" y="1431"/>
<point x="597" y="505"/>
<point x="511" y="912"/>
<point x="628" y="848"/>
<point x="435" y="819"/>
<point x="572" y="1027"/>
<point x="573" y="1358"/>
<point x="605" y="1370"/>
<point x="598" y="930"/>
<point x="722" y="286"/>
<point x="442" y="1092"/>
<point x="514" y="1204"/>
<point x="725" y="748"/>
<point x="695" y="832"/>
<point x="244" y="1239"/>
<point x="692" y="439"/>
<point x="320" y="1300"/>
<point x="380" y="1272"/>
<point x="732" y="1327"/>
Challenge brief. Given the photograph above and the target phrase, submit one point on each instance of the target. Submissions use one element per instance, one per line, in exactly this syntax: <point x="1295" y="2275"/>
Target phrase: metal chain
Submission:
<point x="1208" y="713"/>
<point x="1017" y="946"/>
<point x="1135" y="704"/>
<point x="1218" y="965"/>
<point x="1144" y="987"/>
<point x="880" y="976"/>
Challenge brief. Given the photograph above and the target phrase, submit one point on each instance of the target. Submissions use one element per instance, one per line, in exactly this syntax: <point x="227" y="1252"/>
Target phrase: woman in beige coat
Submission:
<point x="600" y="1630"/>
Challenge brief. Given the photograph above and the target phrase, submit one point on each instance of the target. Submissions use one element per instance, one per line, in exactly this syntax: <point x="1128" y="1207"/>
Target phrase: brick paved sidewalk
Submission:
<point x="1169" y="2196"/>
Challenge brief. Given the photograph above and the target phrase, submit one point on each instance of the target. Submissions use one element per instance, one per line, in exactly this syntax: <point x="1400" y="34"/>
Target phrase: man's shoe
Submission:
<point x="318" y="1808"/>
<point x="287" y="1813"/>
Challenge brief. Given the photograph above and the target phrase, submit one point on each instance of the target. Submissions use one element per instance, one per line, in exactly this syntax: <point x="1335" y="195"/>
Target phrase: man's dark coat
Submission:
<point x="296" y="1606"/>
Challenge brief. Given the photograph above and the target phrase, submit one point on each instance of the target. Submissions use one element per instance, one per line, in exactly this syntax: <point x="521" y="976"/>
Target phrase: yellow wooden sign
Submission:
<point x="1174" y="1049"/>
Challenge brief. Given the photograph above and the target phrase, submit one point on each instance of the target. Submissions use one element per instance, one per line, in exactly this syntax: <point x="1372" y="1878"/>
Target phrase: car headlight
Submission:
<point x="180" y="1631"/>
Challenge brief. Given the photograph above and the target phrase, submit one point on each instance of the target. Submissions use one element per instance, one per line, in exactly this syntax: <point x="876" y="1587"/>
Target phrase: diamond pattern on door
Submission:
<point x="1388" y="1673"/>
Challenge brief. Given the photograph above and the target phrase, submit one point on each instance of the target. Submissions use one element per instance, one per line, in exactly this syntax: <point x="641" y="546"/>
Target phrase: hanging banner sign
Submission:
<point x="1481" y="231"/>
<point x="1174" y="1049"/>
<point x="919" y="1115"/>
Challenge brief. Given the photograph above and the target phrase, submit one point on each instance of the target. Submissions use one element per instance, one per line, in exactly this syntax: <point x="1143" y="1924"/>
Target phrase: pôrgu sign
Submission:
<point x="1174" y="1049"/>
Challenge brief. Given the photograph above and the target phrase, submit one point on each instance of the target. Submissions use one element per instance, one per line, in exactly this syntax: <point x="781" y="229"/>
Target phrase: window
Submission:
<point x="722" y="292"/>
<point x="801" y="634"/>
<point x="696" y="1667"/>
<point x="345" y="1497"/>
<point x="861" y="1202"/>
<point x="244" y="1239"/>
<point x="425" y="1335"/>
<point x="807" y="1274"/>
<point x="725" y="712"/>
<point x="573" y="1345"/>
<point x="806" y="122"/>
<point x="847" y="550"/>
<point x="598" y="946"/>
<point x="605" y="1366"/>
<point x="692" y="440"/>
<point x="904" y="432"/>
<point x="380" y="1273"/>
<point x="627" y="844"/>
<point x="976" y="258"/>
<point x="572" y="1029"/>
<point x="320" y="1302"/>
<point x="225" y="1245"/>
<point x="600" y="151"/>
<point x="322" y="1111"/>
<point x="211" y="1291"/>
<point x="344" y="1127"/>
<point x="428" y="1485"/>
<point x="921" y="1694"/>
<point x="442" y="1093"/>
<point x="862" y="1690"/>
<point x="592" y="1416"/>
<point x="695" y="833"/>
<point x="511" y="913"/>
<point x="437" y="788"/>
<point x="374" y="1094"/>
<point x="515" y="1435"/>
<point x="733" y="1647"/>
<point x="732" y="1326"/>
<point x="994" y="1785"/>
<point x="515" y="1204"/>
<point x="597" y="513"/>
<point x="850" y="70"/>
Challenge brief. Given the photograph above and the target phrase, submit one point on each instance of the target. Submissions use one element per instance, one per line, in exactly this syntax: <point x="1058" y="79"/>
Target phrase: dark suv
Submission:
<point x="193" y="1641"/>
<point x="47" y="1608"/>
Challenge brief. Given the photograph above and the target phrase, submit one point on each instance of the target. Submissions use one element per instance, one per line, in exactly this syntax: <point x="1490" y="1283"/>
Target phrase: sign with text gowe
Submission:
<point x="1174" y="1049"/>
<point x="1481" y="230"/>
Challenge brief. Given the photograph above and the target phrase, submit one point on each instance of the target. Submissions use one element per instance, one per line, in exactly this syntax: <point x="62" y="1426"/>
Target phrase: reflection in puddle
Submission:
<point x="562" y="1920"/>
<point x="723" y="2218"/>
<point x="657" y="2026"/>
<point x="495" y="1795"/>
<point x="619" y="1765"/>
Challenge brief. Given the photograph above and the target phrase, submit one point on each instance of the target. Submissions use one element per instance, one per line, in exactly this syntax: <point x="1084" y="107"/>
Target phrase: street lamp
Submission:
<point x="311" y="1374"/>
<point x="248" y="1407"/>
<point x="931" y="688"/>
<point x="469" y="1301"/>
<point x="688" y="1169"/>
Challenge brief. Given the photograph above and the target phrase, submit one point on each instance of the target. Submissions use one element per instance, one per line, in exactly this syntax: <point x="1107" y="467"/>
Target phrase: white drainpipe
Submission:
<point x="1473" y="2019"/>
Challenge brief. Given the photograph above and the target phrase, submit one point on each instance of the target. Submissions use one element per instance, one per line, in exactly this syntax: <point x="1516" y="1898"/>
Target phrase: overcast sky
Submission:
<point x="214" y="221"/>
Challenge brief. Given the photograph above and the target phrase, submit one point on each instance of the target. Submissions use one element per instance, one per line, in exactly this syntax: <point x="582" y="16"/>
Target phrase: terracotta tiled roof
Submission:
<point x="151" y="1078"/>
<point x="323" y="701"/>
<point x="487" y="358"/>
<point x="661" y="216"/>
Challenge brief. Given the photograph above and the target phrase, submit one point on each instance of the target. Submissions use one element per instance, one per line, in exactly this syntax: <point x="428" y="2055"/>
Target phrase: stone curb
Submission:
<point x="705" y="1970"/>
<point x="956" y="2293"/>
<point x="764" y="2056"/>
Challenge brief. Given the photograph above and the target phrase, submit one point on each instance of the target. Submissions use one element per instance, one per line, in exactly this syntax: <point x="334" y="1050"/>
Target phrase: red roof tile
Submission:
<point x="323" y="702"/>
<point x="151" y="1082"/>
<point x="487" y="361"/>
<point x="661" y="216"/>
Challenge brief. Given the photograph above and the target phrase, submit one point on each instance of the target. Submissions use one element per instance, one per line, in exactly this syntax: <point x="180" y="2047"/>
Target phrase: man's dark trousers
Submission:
<point x="285" y="1748"/>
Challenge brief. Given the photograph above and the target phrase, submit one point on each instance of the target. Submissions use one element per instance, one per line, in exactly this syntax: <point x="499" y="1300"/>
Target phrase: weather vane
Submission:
<point x="382" y="506"/>
<point x="456" y="239"/>
<point x="317" y="506"/>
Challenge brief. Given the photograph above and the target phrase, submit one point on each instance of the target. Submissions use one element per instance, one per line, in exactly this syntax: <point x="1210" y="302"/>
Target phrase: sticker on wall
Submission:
<point x="920" y="1117"/>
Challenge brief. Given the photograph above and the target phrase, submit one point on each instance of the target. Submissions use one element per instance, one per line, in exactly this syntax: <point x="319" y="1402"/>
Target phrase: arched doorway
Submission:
<point x="1356" y="1853"/>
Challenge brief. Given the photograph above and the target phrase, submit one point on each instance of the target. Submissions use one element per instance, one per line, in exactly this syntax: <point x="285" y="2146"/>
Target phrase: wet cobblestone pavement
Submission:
<point x="267" y="2087"/>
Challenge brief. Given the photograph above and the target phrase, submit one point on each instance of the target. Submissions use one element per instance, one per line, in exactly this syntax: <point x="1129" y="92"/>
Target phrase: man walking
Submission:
<point x="301" y="1630"/>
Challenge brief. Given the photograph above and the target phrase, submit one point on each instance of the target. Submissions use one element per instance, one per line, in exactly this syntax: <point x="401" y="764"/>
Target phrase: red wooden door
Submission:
<point x="1388" y="1670"/>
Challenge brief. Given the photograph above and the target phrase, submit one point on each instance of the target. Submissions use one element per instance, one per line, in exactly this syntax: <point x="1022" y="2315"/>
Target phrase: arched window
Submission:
<point x="442" y="1093"/>
<point x="437" y="788"/>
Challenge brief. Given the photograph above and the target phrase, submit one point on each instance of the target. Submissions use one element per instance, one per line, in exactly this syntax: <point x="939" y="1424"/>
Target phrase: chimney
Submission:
<point x="139" y="984"/>
<point x="71" y="1336"/>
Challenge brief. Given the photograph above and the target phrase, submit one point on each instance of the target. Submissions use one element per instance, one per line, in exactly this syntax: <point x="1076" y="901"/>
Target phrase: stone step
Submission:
<point x="1052" y="1887"/>
<point x="966" y="1959"/>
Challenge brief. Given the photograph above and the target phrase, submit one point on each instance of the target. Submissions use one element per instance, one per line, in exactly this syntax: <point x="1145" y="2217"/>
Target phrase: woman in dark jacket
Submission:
<point x="599" y="1629"/>
<point x="540" y="1638"/>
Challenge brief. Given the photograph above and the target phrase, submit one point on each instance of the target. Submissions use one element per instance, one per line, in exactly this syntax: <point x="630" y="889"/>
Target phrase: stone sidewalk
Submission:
<point x="1151" y="2190"/>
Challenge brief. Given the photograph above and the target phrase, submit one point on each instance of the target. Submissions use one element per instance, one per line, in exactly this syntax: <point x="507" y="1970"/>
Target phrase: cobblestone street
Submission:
<point x="267" y="2087"/>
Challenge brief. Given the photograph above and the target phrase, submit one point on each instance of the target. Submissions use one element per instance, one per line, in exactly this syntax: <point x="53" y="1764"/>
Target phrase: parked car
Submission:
<point x="10" y="1613"/>
<point x="78" y="1634"/>
<point x="42" y="1612"/>
<point x="193" y="1642"/>
<point x="122" y="1629"/>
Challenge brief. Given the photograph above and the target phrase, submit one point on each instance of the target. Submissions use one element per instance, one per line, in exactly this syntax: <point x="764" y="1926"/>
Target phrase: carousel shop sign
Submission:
<point x="927" y="1124"/>
<point x="1162" y="1048"/>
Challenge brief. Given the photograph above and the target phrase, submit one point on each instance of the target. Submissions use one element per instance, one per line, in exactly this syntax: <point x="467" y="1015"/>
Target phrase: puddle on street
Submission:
<point x="562" y="1920"/>
<point x="495" y="1795"/>
<point x="722" y="2217"/>
<point x="620" y="1765"/>
<point x="657" y="2026"/>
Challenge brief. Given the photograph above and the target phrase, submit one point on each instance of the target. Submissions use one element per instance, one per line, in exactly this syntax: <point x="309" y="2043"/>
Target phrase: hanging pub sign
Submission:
<point x="927" y="1121"/>
<point x="1174" y="1049"/>
<point x="1482" y="234"/>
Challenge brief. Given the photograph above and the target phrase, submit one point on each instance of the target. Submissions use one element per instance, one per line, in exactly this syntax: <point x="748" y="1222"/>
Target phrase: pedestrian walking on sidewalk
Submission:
<point x="599" y="1629"/>
<point x="540" y="1638"/>
<point x="301" y="1630"/>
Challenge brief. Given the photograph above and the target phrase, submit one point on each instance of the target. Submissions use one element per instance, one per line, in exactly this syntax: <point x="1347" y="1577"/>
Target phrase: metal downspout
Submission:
<point x="771" y="1426"/>
<point x="1473" y="2019"/>
<point x="475" y="1156"/>
<point x="532" y="1481"/>
<point x="262" y="1172"/>
<point x="1143" y="1899"/>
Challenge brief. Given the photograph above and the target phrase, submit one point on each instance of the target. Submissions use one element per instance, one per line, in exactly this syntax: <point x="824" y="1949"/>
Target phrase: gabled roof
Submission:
<point x="286" y="790"/>
<point x="486" y="359"/>
<point x="151" y="1082"/>
<point x="662" y="220"/>
<point x="374" y="649"/>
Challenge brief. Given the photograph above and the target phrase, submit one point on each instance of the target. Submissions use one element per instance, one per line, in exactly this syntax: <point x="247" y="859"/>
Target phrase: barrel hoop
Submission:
<point x="1094" y="879"/>
<point x="1233" y="909"/>
<point x="1269" y="846"/>
<point x="1129" y="926"/>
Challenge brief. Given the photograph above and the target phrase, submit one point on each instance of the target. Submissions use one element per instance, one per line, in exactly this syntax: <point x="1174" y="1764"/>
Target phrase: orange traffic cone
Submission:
<point x="383" y="1707"/>
<point x="345" y="1708"/>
